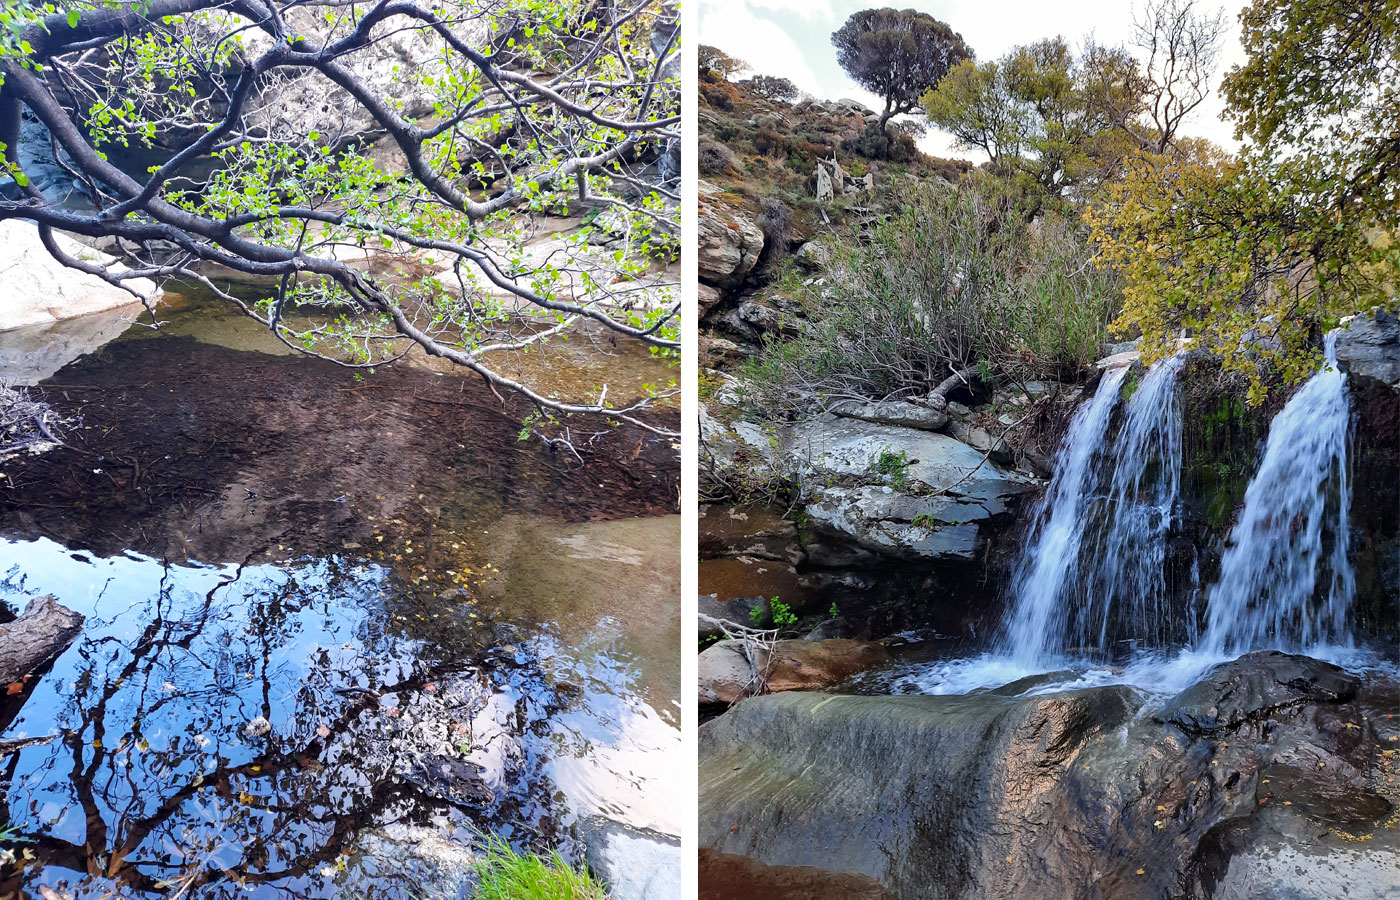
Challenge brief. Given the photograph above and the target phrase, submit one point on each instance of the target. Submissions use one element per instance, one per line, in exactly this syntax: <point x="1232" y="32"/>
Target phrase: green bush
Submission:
<point x="962" y="276"/>
<point x="503" y="874"/>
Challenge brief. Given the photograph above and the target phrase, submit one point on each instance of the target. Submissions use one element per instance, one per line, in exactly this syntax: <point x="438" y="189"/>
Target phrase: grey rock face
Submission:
<point x="1370" y="348"/>
<point x="937" y="497"/>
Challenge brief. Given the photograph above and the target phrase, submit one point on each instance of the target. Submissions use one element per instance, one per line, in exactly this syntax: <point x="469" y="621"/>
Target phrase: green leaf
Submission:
<point x="73" y="17"/>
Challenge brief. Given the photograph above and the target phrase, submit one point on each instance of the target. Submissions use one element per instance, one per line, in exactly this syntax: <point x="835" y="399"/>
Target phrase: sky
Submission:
<point x="792" y="39"/>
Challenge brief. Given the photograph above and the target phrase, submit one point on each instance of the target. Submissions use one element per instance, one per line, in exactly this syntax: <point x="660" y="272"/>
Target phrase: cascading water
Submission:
<point x="1051" y="561"/>
<point x="1127" y="585"/>
<point x="1296" y="505"/>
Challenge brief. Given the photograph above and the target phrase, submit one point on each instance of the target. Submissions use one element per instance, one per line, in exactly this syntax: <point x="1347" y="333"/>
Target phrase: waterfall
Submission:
<point x="1296" y="505"/>
<point x="1050" y="564"/>
<point x="1127" y="583"/>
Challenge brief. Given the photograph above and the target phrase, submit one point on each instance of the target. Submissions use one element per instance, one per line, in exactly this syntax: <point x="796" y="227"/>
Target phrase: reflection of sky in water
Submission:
<point x="156" y="771"/>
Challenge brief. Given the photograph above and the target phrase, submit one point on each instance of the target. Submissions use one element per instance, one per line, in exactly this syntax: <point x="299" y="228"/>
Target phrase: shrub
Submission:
<point x="960" y="277"/>
<point x="770" y="87"/>
<point x="714" y="158"/>
<point x="720" y="94"/>
<point x="771" y="143"/>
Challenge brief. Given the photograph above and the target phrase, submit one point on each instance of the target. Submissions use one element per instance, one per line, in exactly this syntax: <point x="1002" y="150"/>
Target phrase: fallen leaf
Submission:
<point x="322" y="731"/>
<point x="15" y="688"/>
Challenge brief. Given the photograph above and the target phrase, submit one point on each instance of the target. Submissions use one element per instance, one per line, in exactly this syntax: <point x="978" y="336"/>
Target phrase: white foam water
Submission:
<point x="1286" y="581"/>
<point x="1035" y="626"/>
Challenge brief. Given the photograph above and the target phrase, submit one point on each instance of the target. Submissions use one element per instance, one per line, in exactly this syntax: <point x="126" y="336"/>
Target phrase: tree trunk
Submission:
<point x="36" y="638"/>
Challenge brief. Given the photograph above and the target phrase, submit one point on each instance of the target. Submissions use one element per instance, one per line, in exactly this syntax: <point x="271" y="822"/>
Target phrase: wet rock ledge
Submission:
<point x="1274" y="776"/>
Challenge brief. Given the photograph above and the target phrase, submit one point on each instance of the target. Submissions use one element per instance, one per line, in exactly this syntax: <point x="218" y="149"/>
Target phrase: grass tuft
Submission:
<point x="503" y="874"/>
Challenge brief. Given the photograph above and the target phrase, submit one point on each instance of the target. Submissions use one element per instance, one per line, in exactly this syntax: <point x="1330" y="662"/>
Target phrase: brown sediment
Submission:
<point x="190" y="450"/>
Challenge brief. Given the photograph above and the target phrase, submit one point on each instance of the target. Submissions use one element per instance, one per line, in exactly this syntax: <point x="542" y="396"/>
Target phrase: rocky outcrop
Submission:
<point x="729" y="672"/>
<point x="1086" y="793"/>
<point x="1370" y="348"/>
<point x="932" y="498"/>
<point x="36" y="289"/>
<point x="728" y="244"/>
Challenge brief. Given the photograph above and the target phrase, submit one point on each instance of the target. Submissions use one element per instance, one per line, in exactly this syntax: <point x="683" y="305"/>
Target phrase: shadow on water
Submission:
<point x="337" y="629"/>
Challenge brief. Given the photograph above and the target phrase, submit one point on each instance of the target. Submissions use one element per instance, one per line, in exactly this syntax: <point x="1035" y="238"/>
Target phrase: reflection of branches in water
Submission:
<point x="175" y="791"/>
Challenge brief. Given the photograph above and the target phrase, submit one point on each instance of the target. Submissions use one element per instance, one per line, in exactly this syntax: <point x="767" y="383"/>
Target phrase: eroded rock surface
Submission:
<point x="1086" y="793"/>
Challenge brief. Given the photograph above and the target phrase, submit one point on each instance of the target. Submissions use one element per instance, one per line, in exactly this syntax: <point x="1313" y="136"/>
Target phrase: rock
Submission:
<point x="938" y="505"/>
<point x="829" y="448"/>
<point x="884" y="521"/>
<point x="1080" y="793"/>
<point x="893" y="412"/>
<point x="635" y="863"/>
<point x="813" y="256"/>
<point x="772" y="314"/>
<point x="452" y="779"/>
<point x="1119" y="360"/>
<point x="715" y="350"/>
<point x="826" y="192"/>
<point x="36" y="289"/>
<point x="708" y="297"/>
<point x="728" y="244"/>
<point x="1370" y="348"/>
<point x="736" y="611"/>
<point x="979" y="438"/>
<point x="862" y="185"/>
<point x="35" y="639"/>
<point x="726" y="675"/>
<point x="258" y="727"/>
<point x="1255" y="687"/>
<point x="838" y="627"/>
<point x="740" y="447"/>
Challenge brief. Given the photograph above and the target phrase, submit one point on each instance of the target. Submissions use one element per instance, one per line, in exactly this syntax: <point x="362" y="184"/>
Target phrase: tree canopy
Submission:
<point x="1255" y="256"/>
<point x="285" y="142"/>
<point x="897" y="54"/>
<point x="1041" y="112"/>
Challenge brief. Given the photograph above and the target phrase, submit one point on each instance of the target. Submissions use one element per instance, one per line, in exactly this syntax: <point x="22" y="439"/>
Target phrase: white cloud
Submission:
<point x="760" y="42"/>
<point x="807" y="9"/>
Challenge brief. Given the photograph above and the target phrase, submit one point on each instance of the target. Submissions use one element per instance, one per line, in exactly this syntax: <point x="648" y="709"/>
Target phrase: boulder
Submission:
<point x="728" y="676"/>
<point x="735" y="447"/>
<point x="829" y="448"/>
<point x="900" y="525"/>
<point x="728" y="244"/>
<point x="707" y="297"/>
<point x="894" y="412"/>
<point x="1119" y="360"/>
<point x="37" y="290"/>
<point x="635" y="863"/>
<point x="1077" y="793"/>
<point x="813" y="256"/>
<point x="1369" y="347"/>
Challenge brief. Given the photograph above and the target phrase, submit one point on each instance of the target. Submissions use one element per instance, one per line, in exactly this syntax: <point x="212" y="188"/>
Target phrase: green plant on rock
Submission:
<point x="504" y="874"/>
<point x="783" y="616"/>
<point x="892" y="466"/>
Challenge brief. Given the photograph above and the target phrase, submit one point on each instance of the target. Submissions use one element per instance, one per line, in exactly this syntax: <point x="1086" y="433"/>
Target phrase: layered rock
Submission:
<point x="728" y="244"/>
<point x="1243" y="786"/>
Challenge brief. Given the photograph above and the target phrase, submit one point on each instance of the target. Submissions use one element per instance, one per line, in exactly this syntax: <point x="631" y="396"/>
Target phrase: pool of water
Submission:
<point x="337" y="630"/>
